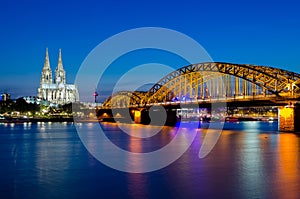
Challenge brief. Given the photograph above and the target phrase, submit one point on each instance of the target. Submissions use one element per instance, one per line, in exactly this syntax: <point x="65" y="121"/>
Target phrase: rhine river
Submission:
<point x="48" y="160"/>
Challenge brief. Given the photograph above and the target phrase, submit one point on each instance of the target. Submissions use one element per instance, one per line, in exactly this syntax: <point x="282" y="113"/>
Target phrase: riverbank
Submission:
<point x="113" y="120"/>
<point x="54" y="119"/>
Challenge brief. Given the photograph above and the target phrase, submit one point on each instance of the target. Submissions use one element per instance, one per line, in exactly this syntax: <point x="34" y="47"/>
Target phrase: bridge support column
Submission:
<point x="137" y="116"/>
<point x="141" y="116"/>
<point x="289" y="118"/>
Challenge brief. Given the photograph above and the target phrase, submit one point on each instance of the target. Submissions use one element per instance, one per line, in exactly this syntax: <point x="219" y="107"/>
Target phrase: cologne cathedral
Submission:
<point x="56" y="92"/>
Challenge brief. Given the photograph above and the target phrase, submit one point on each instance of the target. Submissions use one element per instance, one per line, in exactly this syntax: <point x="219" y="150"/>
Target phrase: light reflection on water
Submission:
<point x="48" y="161"/>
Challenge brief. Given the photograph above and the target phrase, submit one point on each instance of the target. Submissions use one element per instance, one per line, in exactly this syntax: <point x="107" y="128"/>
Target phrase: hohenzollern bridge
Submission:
<point x="204" y="84"/>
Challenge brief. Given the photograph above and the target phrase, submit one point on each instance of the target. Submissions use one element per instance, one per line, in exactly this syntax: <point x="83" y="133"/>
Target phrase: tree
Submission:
<point x="22" y="106"/>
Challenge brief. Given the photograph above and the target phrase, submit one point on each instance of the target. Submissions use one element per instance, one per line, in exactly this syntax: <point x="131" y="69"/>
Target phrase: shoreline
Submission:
<point x="110" y="120"/>
<point x="36" y="120"/>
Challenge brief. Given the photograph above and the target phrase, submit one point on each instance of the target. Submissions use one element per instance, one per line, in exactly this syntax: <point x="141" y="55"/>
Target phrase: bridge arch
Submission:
<point x="124" y="99"/>
<point x="270" y="80"/>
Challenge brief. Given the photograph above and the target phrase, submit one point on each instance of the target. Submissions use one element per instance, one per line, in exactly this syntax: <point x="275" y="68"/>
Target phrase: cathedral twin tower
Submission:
<point x="57" y="92"/>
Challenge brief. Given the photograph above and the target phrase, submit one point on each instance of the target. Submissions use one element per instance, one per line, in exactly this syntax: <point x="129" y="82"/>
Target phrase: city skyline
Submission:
<point x="259" y="33"/>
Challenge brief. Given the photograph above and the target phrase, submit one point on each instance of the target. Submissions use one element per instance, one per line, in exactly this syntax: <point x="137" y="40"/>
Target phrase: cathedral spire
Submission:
<point x="60" y="65"/>
<point x="46" y="77"/>
<point x="60" y="74"/>
<point x="47" y="62"/>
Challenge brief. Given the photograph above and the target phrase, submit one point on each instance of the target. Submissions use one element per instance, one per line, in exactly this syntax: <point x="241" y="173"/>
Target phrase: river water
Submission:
<point x="48" y="160"/>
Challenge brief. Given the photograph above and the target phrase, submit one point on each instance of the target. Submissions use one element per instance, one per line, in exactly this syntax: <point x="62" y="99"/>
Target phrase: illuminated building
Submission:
<point x="4" y="97"/>
<point x="57" y="92"/>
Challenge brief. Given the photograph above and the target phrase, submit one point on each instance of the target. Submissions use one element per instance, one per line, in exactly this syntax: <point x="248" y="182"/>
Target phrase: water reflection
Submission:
<point x="137" y="185"/>
<point x="252" y="169"/>
<point x="287" y="166"/>
<point x="49" y="161"/>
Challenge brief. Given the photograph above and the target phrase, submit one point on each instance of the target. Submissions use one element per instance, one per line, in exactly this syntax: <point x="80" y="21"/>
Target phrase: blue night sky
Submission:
<point x="255" y="32"/>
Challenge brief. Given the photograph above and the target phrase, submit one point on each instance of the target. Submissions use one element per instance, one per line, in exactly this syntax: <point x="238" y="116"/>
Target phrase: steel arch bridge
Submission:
<point x="215" y="80"/>
<point x="124" y="99"/>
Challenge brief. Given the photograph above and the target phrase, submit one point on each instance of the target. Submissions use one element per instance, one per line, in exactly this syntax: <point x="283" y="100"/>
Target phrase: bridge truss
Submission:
<point x="124" y="99"/>
<point x="214" y="80"/>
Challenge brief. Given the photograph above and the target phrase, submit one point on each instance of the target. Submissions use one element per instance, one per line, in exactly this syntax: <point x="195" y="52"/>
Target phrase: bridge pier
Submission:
<point x="137" y="116"/>
<point x="289" y="119"/>
<point x="143" y="117"/>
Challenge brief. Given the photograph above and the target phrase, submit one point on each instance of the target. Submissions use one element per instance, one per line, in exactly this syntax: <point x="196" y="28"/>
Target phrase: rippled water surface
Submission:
<point x="48" y="160"/>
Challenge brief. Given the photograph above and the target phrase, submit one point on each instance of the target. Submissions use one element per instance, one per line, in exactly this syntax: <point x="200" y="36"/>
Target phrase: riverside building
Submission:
<point x="56" y="91"/>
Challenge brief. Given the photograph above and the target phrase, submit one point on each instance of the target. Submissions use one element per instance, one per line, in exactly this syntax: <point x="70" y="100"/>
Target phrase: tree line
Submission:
<point x="22" y="106"/>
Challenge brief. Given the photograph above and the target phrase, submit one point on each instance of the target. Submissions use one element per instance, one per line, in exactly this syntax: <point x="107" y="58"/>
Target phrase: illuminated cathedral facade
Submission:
<point x="56" y="92"/>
